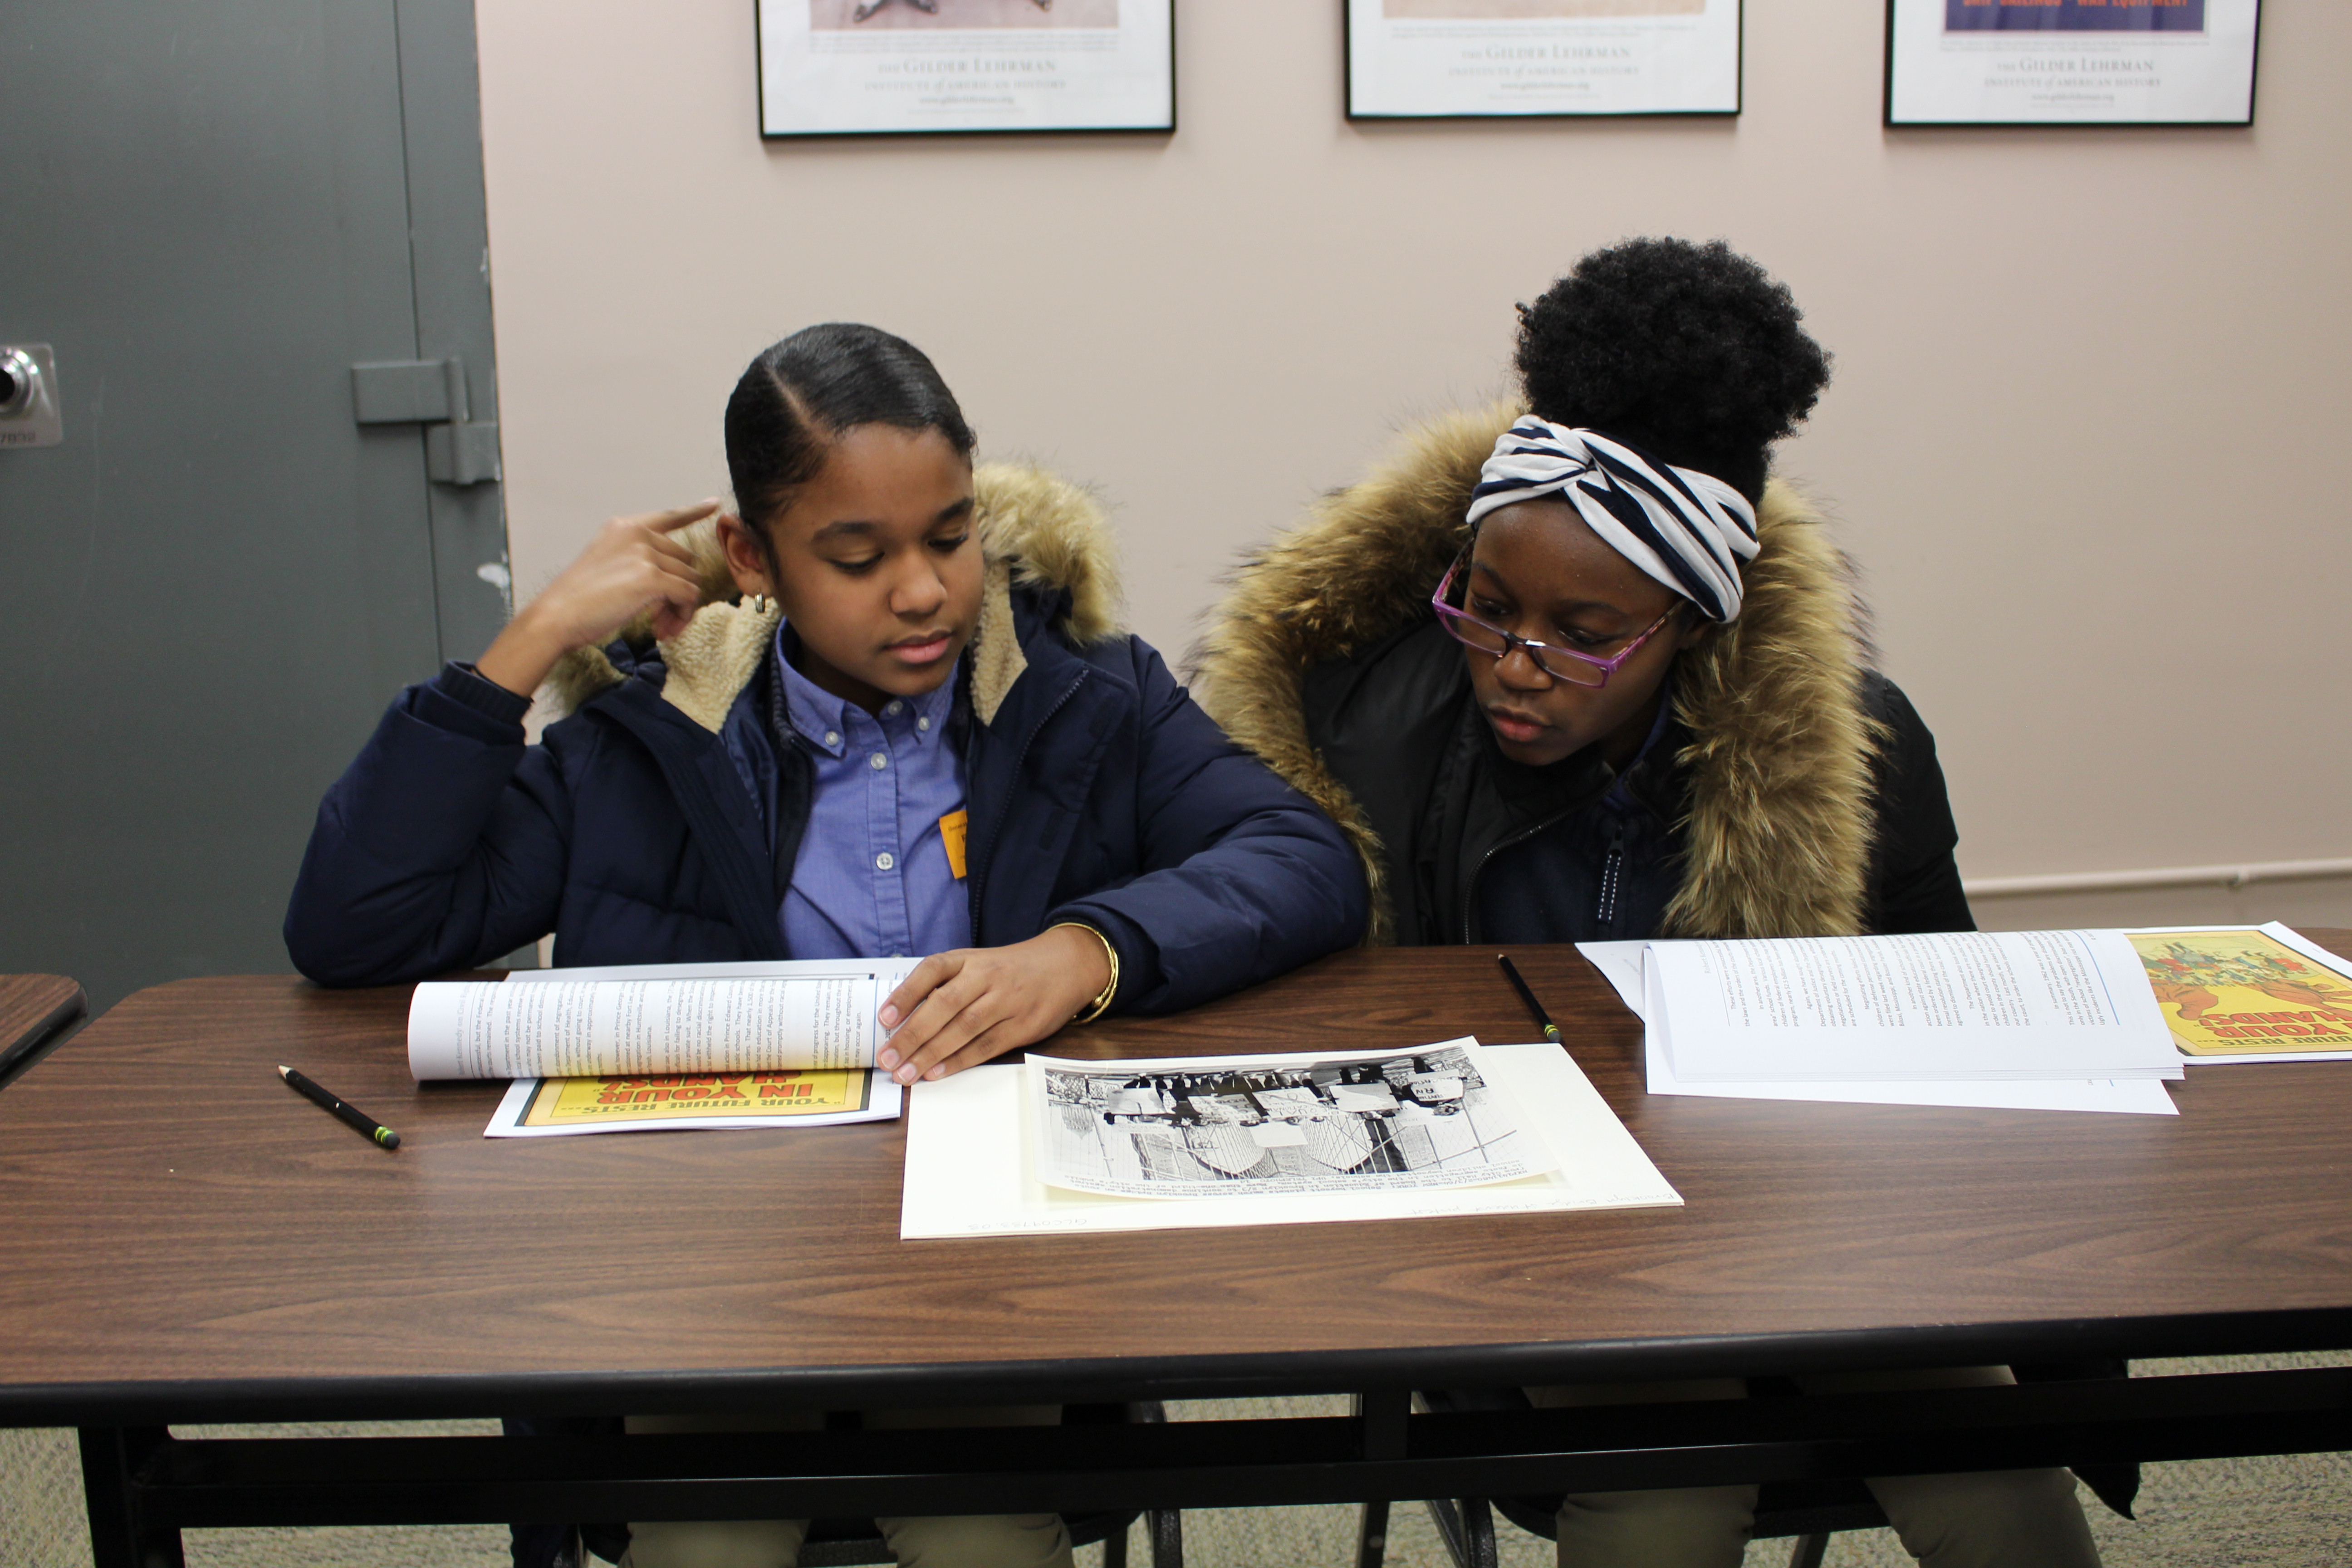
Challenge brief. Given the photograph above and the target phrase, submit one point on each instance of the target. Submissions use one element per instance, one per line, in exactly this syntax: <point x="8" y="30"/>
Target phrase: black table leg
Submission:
<point x="112" y="1461"/>
<point x="1383" y="1412"/>
<point x="1372" y="1535"/>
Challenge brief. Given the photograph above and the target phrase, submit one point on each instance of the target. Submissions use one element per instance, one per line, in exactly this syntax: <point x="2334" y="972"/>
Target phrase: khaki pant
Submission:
<point x="974" y="1540"/>
<point x="1998" y="1518"/>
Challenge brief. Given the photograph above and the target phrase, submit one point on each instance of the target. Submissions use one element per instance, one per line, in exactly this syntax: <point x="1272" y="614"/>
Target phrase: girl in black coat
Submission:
<point x="1578" y="669"/>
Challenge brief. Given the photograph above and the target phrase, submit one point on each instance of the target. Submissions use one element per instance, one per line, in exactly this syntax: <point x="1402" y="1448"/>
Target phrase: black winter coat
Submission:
<point x="1483" y="849"/>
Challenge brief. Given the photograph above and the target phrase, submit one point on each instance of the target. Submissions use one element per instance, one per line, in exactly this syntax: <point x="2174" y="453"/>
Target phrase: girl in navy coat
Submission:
<point x="882" y="711"/>
<point x="885" y="710"/>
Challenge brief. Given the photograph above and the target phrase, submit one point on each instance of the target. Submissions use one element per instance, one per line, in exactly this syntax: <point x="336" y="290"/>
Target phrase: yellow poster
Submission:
<point x="2242" y="993"/>
<point x="689" y="1100"/>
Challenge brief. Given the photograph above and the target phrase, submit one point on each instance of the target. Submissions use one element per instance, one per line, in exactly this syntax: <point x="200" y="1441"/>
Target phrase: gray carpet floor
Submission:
<point x="2291" y="1512"/>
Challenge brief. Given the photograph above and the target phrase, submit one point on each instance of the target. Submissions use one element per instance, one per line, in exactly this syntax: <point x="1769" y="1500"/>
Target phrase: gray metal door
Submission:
<point x="219" y="574"/>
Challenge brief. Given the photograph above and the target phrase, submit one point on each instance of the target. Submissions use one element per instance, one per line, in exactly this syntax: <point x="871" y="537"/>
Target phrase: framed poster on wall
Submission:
<point x="868" y="67"/>
<point x="1444" y="59"/>
<point x="2070" y="62"/>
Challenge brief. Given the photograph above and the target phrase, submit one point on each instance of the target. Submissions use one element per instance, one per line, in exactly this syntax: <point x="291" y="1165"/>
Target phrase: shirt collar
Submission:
<point x="822" y="719"/>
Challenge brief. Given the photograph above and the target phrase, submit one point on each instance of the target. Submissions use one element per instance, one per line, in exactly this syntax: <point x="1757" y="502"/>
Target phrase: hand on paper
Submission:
<point x="963" y="1007"/>
<point x="633" y="562"/>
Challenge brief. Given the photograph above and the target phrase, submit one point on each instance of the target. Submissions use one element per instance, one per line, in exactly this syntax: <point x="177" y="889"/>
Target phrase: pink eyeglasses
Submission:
<point x="1560" y="663"/>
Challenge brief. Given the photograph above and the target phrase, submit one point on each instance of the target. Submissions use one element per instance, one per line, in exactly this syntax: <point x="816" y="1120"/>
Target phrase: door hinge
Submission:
<point x="459" y="449"/>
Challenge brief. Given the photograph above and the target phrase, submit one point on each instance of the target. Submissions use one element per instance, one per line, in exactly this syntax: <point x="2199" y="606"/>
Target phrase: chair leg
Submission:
<point x="1467" y="1529"/>
<point x="1372" y="1535"/>
<point x="1115" y="1548"/>
<point x="1808" y="1549"/>
<point x="1478" y="1532"/>
<point x="1167" y="1526"/>
<point x="1450" y="1532"/>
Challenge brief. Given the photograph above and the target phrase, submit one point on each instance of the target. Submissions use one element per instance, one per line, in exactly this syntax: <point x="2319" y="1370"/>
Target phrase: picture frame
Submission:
<point x="916" y="67"/>
<point x="1481" y="59"/>
<point x="2072" y="62"/>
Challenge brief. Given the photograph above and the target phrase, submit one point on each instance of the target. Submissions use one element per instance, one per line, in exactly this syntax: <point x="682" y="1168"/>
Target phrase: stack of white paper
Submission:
<point x="2018" y="1020"/>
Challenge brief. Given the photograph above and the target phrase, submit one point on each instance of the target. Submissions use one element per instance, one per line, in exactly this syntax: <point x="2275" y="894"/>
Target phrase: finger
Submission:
<point x="678" y="517"/>
<point x="981" y="1013"/>
<point x="674" y="600"/>
<point x="666" y="547"/>
<point x="946" y="1019"/>
<point x="933" y="1025"/>
<point x="916" y="1008"/>
<point x="679" y="587"/>
<point x="926" y="977"/>
<point x="1004" y="1035"/>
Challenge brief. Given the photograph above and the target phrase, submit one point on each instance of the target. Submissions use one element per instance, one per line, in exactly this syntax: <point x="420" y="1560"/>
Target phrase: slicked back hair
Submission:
<point x="801" y="395"/>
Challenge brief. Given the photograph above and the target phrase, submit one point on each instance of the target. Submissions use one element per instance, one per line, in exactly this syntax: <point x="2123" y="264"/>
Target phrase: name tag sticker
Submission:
<point x="951" y="833"/>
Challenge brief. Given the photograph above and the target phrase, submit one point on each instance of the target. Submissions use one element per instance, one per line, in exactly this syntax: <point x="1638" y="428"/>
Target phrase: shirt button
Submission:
<point x="833" y="737"/>
<point x="878" y="761"/>
<point x="892" y="708"/>
<point x="923" y="723"/>
<point x="885" y="860"/>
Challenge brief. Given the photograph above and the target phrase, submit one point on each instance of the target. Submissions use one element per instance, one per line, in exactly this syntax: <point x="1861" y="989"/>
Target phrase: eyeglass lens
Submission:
<point x="1559" y="666"/>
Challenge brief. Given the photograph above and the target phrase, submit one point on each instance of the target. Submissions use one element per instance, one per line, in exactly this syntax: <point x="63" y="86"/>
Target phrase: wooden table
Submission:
<point x="35" y="1011"/>
<point x="191" y="1242"/>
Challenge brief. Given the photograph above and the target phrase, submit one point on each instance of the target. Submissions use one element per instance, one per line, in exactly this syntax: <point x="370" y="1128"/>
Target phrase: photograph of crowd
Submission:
<point x="1418" y="1119"/>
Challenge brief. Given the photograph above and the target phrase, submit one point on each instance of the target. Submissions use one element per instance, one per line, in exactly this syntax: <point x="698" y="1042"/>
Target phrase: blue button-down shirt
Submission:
<point x="872" y="878"/>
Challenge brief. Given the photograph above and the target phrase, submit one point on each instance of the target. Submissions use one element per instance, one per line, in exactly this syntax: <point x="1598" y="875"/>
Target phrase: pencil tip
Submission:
<point x="281" y="1069"/>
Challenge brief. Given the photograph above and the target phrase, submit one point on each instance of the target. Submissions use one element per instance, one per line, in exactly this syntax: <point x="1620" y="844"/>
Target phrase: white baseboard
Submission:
<point x="2238" y="876"/>
<point x="2299" y="892"/>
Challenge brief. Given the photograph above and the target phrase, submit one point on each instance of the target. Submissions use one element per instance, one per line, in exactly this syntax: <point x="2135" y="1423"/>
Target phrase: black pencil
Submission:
<point x="1511" y="973"/>
<point x="351" y="1116"/>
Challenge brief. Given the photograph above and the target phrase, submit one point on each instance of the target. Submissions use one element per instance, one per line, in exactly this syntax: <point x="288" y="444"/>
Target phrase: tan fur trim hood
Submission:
<point x="1777" y="833"/>
<point x="1035" y="531"/>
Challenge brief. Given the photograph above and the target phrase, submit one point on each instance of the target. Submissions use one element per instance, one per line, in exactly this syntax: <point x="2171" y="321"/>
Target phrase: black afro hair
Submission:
<point x="1690" y="352"/>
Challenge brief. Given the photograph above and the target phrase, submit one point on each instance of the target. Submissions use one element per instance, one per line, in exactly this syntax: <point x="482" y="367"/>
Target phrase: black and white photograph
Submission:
<point x="1279" y="1124"/>
<point x="885" y="16"/>
<point x="2070" y="62"/>
<point x="1438" y="60"/>
<point x="884" y="68"/>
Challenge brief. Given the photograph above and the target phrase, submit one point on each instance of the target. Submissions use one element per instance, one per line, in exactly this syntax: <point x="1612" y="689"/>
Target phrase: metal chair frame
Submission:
<point x="1466" y="1525"/>
<point x="852" y="1542"/>
<point x="1812" y="1511"/>
<point x="860" y="1542"/>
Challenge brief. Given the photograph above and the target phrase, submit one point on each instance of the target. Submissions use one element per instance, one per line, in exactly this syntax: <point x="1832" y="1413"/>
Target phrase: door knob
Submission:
<point x="28" y="401"/>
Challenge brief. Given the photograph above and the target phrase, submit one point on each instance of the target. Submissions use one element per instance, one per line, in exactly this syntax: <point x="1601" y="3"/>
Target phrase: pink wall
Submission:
<point x="2087" y="435"/>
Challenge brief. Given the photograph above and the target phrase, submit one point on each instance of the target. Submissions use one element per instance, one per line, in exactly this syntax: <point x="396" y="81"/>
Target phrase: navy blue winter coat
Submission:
<point x="1098" y="792"/>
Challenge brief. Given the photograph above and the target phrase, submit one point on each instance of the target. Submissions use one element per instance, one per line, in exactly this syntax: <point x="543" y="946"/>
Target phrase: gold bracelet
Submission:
<point x="1101" y="1003"/>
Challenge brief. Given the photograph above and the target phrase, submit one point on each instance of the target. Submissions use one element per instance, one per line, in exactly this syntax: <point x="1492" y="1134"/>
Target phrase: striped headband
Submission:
<point x="1690" y="531"/>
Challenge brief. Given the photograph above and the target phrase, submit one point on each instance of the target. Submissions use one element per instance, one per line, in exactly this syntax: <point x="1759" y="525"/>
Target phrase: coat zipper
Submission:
<point x="1607" y="911"/>
<point x="1470" y="894"/>
<point x="979" y="861"/>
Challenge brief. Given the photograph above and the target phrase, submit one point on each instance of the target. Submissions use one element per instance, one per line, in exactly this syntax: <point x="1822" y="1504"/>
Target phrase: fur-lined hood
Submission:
<point x="1776" y="834"/>
<point x="1035" y="531"/>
